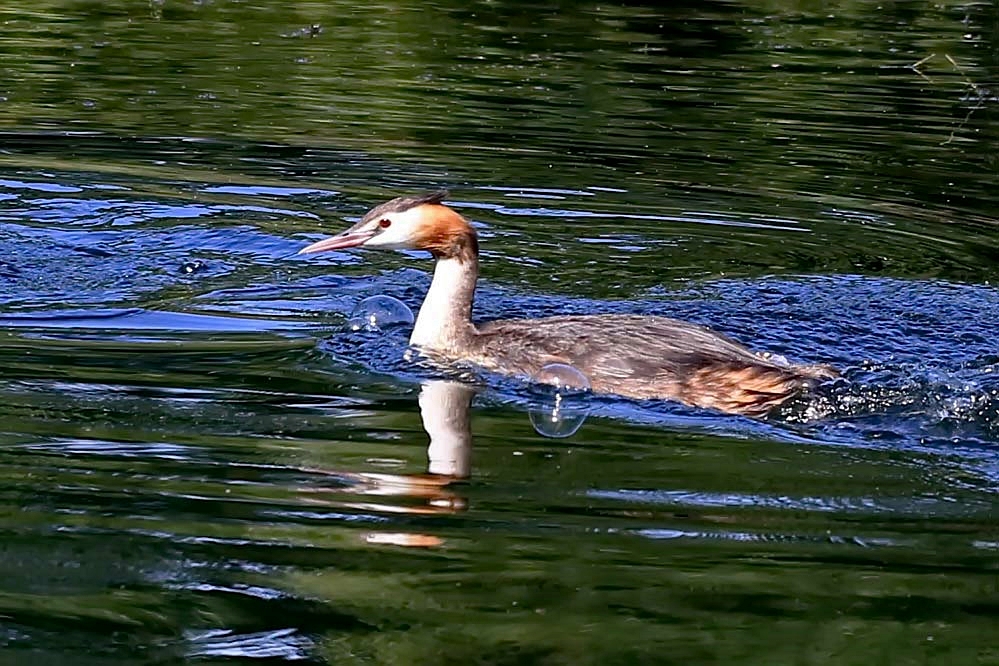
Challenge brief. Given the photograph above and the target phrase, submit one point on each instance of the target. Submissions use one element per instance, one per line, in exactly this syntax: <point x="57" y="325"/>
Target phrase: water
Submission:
<point x="202" y="463"/>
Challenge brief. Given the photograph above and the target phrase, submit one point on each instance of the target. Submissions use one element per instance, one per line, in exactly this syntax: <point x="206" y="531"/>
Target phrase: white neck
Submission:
<point x="445" y="318"/>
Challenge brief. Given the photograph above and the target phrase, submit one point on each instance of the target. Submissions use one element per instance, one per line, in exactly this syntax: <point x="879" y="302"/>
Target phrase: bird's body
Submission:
<point x="645" y="357"/>
<point x="634" y="356"/>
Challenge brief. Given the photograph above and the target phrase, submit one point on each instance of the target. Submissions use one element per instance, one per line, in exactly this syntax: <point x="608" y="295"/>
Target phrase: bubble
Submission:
<point x="561" y="406"/>
<point x="379" y="312"/>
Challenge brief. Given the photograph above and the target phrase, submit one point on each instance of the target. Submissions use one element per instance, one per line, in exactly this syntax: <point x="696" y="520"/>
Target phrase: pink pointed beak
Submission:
<point x="349" y="238"/>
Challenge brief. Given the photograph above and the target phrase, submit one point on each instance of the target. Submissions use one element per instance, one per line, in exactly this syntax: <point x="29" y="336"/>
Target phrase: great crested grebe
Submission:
<point x="633" y="356"/>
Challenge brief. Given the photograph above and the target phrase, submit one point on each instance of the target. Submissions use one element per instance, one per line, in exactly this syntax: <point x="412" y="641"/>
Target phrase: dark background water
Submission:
<point x="200" y="464"/>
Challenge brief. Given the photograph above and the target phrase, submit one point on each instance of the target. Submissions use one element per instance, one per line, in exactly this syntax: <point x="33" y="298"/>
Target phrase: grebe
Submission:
<point x="628" y="355"/>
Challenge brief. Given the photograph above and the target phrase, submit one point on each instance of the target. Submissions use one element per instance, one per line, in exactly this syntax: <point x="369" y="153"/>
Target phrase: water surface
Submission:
<point x="202" y="464"/>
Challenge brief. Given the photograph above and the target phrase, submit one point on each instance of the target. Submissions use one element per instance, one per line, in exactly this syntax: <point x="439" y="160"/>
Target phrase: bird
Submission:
<point x="628" y="355"/>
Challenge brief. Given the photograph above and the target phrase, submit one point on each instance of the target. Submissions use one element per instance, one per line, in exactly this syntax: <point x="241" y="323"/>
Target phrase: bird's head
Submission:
<point x="407" y="223"/>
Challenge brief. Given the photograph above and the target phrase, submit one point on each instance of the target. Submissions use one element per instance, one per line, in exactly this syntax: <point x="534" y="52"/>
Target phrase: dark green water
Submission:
<point x="200" y="465"/>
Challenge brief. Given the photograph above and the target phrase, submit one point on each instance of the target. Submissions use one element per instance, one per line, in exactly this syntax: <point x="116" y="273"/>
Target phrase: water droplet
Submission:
<point x="561" y="406"/>
<point x="379" y="312"/>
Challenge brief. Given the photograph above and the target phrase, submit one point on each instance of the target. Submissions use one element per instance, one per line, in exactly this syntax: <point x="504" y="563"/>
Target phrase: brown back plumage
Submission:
<point x="647" y="357"/>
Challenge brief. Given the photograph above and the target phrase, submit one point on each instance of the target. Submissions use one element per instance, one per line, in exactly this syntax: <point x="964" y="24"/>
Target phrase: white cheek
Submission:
<point x="400" y="235"/>
<point x="390" y="239"/>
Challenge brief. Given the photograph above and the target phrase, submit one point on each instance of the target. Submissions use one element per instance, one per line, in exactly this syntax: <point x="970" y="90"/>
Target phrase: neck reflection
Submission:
<point x="445" y="407"/>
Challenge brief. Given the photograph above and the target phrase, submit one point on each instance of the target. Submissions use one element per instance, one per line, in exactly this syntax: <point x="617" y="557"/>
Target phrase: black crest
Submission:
<point x="401" y="204"/>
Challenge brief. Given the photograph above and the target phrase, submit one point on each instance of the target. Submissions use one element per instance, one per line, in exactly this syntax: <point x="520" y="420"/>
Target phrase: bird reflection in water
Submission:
<point x="445" y="408"/>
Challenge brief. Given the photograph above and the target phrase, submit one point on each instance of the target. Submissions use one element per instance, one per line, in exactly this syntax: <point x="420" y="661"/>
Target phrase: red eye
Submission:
<point x="384" y="223"/>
